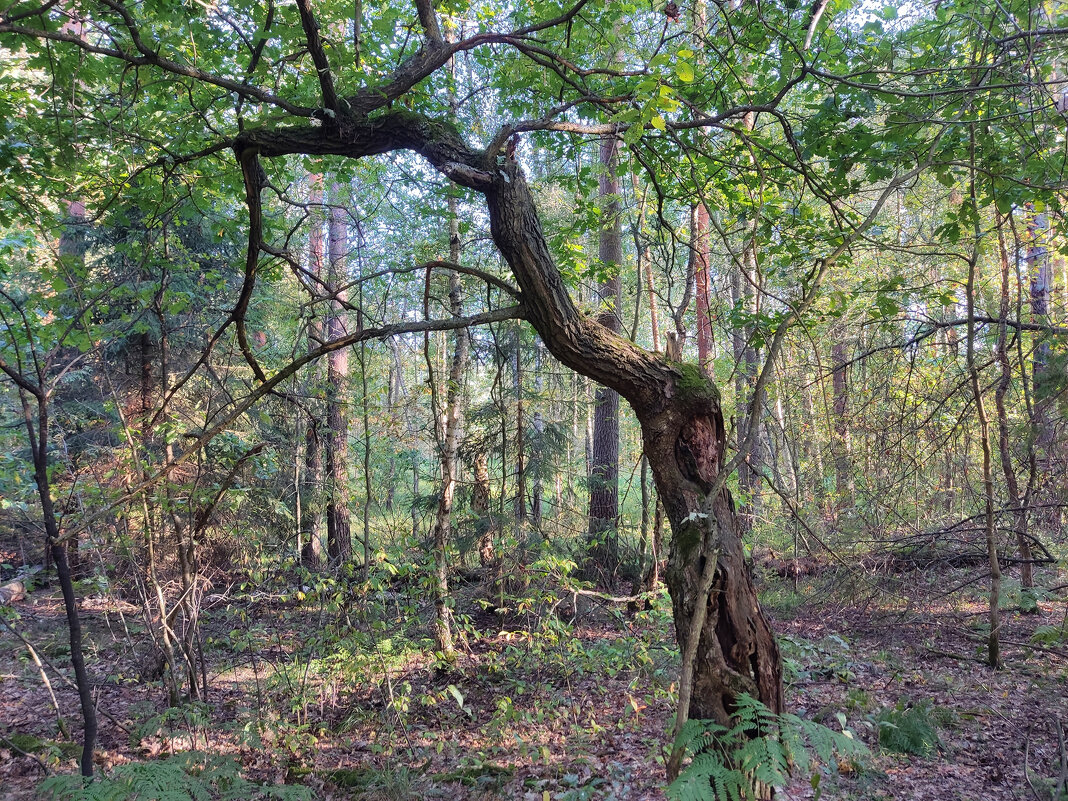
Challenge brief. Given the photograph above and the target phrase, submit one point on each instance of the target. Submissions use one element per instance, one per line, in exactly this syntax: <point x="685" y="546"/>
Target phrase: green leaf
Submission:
<point x="456" y="694"/>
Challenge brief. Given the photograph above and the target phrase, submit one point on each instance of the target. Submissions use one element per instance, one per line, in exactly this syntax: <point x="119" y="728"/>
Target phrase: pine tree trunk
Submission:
<point x="699" y="252"/>
<point x="311" y="495"/>
<point x="604" y="466"/>
<point x="338" y="521"/>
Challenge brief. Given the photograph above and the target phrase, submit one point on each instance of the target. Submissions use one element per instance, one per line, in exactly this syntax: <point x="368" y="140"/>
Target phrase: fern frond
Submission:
<point x="760" y="749"/>
<point x="191" y="776"/>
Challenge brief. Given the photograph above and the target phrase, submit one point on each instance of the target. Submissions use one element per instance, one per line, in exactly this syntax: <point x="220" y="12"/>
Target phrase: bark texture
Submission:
<point x="449" y="433"/>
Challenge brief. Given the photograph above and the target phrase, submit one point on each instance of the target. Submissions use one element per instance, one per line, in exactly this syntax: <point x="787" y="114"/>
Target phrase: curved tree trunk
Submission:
<point x="685" y="442"/>
<point x="679" y="411"/>
<point x="676" y="405"/>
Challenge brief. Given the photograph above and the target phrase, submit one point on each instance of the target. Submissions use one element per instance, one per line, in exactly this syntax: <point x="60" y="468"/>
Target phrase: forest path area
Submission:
<point x="538" y="706"/>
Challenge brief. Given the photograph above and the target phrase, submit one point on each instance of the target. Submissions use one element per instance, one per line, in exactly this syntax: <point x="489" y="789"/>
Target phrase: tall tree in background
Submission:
<point x="448" y="427"/>
<point x="1017" y="502"/>
<point x="843" y="468"/>
<point x="604" y="467"/>
<point x="311" y="490"/>
<point x="338" y="514"/>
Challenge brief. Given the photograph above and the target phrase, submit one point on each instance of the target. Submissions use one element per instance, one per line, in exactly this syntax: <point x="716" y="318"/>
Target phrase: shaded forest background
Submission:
<point x="327" y="503"/>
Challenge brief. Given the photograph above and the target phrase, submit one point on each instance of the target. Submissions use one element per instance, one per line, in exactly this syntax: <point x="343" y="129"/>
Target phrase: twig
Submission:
<point x="1027" y="770"/>
<point x="951" y="655"/>
<point x="1062" y="781"/>
<point x="40" y="762"/>
<point x="63" y="676"/>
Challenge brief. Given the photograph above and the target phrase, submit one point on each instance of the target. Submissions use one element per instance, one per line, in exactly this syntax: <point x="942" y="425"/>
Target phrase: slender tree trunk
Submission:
<point x="154" y="525"/>
<point x="538" y="422"/>
<point x="1012" y="485"/>
<point x="643" y="539"/>
<point x="480" y="508"/>
<point x="1043" y="378"/>
<point x="700" y="253"/>
<point x="993" y="641"/>
<point x="311" y="553"/>
<point x="365" y="406"/>
<point x="786" y="448"/>
<point x="739" y="347"/>
<point x="39" y="447"/>
<point x="520" y="505"/>
<point x="843" y="467"/>
<point x="654" y="323"/>
<point x="72" y="252"/>
<point x="604" y="470"/>
<point x="188" y="605"/>
<point x="1041" y="274"/>
<point x="449" y="445"/>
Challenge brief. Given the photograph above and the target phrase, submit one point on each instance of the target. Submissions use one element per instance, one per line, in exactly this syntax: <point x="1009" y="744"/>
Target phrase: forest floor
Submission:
<point x="539" y="707"/>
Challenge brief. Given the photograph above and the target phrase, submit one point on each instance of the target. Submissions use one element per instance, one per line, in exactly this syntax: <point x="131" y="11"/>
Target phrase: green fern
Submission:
<point x="183" y="777"/>
<point x="908" y="730"/>
<point x="759" y="749"/>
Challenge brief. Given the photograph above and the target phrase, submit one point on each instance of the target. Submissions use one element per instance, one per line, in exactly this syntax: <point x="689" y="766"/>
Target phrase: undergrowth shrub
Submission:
<point x="760" y="750"/>
<point x="192" y="776"/>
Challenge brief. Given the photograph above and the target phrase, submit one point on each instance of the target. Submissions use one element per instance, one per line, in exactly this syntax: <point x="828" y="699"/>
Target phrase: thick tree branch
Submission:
<point x="428" y="19"/>
<point x="315" y="47"/>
